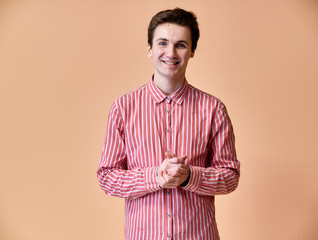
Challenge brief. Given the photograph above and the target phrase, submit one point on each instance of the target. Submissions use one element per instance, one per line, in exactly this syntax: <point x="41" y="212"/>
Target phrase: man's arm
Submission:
<point x="222" y="176"/>
<point x="112" y="173"/>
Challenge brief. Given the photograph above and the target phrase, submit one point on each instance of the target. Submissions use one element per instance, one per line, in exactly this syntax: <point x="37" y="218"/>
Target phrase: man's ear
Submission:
<point x="192" y="54"/>
<point x="149" y="51"/>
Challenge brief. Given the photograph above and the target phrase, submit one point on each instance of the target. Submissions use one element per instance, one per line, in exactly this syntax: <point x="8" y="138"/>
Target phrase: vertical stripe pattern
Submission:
<point x="142" y="126"/>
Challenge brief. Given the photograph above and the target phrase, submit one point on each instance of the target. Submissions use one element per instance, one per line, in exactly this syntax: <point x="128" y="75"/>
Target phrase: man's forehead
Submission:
<point x="167" y="30"/>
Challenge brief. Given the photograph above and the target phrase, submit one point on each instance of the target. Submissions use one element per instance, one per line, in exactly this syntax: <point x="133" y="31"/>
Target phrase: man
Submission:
<point x="169" y="147"/>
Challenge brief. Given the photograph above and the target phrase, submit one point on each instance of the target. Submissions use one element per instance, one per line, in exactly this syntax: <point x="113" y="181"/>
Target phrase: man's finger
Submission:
<point x="170" y="154"/>
<point x="177" y="159"/>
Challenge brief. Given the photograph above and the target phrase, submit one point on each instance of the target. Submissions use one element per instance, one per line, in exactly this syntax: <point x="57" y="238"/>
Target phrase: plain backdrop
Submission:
<point x="63" y="63"/>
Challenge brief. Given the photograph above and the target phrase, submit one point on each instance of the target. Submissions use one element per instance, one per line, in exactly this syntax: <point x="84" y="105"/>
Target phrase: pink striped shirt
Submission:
<point x="142" y="126"/>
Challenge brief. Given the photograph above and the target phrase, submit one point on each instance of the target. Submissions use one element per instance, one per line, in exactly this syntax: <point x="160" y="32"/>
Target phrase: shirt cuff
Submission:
<point x="151" y="183"/>
<point x="195" y="179"/>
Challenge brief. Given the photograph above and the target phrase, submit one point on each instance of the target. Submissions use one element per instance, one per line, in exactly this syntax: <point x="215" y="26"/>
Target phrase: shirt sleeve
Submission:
<point x="112" y="173"/>
<point x="222" y="175"/>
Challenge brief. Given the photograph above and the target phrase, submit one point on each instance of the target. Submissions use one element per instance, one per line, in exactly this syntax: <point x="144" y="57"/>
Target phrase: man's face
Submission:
<point x="171" y="51"/>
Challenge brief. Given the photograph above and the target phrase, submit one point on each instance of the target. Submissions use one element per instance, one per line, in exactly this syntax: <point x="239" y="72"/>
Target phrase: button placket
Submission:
<point x="169" y="145"/>
<point x="168" y="110"/>
<point x="168" y="120"/>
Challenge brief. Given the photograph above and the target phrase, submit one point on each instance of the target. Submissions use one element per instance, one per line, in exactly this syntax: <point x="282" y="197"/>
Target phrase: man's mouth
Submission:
<point x="172" y="63"/>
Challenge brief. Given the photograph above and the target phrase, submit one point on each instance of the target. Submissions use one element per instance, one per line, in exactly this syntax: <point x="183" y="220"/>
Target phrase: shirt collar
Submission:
<point x="177" y="96"/>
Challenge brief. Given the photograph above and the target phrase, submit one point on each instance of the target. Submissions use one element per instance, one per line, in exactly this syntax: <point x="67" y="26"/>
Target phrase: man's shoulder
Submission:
<point x="131" y="95"/>
<point x="203" y="94"/>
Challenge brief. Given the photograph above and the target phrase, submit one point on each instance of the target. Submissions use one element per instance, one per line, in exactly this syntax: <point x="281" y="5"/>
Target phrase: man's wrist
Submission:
<point x="185" y="183"/>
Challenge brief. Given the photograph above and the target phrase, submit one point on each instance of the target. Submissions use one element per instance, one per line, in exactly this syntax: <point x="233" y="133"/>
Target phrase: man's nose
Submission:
<point x="171" y="52"/>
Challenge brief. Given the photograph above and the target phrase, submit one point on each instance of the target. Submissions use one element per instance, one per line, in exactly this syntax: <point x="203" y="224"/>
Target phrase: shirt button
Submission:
<point x="168" y="192"/>
<point x="169" y="215"/>
<point x="168" y="111"/>
<point x="168" y="130"/>
<point x="169" y="235"/>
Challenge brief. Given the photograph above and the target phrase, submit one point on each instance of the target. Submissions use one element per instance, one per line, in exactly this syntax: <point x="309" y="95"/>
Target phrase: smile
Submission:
<point x="170" y="62"/>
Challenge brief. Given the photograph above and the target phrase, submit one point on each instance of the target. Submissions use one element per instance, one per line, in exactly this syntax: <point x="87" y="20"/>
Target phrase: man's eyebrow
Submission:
<point x="183" y="41"/>
<point x="164" y="39"/>
<point x="161" y="39"/>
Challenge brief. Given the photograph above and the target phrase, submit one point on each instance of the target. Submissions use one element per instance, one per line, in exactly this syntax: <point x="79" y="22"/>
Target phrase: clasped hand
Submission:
<point x="172" y="171"/>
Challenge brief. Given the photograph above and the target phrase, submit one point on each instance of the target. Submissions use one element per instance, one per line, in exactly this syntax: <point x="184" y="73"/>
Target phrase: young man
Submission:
<point x="169" y="147"/>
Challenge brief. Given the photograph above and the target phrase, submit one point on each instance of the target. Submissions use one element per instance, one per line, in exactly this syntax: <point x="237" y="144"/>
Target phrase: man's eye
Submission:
<point x="162" y="44"/>
<point x="181" y="45"/>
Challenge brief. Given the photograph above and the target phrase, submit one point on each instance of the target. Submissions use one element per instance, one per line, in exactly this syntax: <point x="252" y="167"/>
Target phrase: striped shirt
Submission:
<point x="142" y="126"/>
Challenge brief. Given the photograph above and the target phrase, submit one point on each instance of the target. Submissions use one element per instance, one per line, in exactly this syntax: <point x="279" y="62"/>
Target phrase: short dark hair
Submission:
<point x="177" y="16"/>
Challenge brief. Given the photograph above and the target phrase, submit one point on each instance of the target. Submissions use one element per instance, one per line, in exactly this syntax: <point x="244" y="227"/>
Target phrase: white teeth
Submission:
<point x="170" y="63"/>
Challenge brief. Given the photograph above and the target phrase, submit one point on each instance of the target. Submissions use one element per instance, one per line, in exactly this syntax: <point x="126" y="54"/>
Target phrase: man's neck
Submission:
<point x="168" y="86"/>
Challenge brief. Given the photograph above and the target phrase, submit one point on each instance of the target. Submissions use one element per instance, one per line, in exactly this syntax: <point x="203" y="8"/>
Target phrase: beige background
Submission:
<point x="62" y="63"/>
